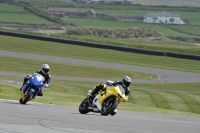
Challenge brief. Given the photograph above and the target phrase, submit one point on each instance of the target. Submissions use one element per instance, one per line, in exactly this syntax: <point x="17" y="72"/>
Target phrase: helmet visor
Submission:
<point x="126" y="84"/>
<point x="45" y="70"/>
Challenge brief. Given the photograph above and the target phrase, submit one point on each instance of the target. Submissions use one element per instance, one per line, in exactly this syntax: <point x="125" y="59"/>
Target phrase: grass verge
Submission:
<point x="71" y="93"/>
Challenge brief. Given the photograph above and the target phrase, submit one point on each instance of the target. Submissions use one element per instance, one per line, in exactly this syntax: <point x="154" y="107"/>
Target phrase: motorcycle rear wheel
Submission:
<point x="27" y="97"/>
<point x="109" y="107"/>
<point x="83" y="108"/>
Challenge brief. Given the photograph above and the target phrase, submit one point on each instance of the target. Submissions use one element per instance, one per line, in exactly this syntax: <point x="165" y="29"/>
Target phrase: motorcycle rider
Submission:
<point x="125" y="83"/>
<point x="45" y="73"/>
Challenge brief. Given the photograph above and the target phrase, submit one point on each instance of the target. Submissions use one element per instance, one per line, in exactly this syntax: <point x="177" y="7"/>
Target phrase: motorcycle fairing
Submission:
<point x="110" y="91"/>
<point x="97" y="103"/>
<point x="34" y="84"/>
<point x="37" y="80"/>
<point x="35" y="91"/>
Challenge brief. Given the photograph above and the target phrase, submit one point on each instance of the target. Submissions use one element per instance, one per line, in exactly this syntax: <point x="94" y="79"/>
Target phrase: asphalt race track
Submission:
<point x="44" y="118"/>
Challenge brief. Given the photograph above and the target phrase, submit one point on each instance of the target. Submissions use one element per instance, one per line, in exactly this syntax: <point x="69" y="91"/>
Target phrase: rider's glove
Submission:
<point x="114" y="84"/>
<point x="111" y="83"/>
<point x="46" y="85"/>
<point x="30" y="75"/>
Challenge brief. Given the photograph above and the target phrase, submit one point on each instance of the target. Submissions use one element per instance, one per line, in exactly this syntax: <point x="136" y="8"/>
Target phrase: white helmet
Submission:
<point x="45" y="68"/>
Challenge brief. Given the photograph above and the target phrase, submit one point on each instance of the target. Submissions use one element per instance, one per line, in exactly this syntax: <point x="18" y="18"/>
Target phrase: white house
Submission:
<point x="163" y="17"/>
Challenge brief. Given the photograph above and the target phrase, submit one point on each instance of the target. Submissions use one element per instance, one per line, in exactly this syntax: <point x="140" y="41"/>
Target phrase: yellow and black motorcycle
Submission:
<point x="105" y="102"/>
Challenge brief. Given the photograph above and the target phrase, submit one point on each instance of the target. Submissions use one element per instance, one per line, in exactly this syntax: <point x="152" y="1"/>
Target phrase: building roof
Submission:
<point x="162" y="14"/>
<point x="59" y="9"/>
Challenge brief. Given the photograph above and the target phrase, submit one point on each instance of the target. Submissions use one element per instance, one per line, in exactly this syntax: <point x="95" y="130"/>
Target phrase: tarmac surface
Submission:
<point x="44" y="118"/>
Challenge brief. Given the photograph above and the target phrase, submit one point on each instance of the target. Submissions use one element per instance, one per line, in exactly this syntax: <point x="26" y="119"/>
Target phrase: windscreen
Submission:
<point x="121" y="89"/>
<point x="39" y="77"/>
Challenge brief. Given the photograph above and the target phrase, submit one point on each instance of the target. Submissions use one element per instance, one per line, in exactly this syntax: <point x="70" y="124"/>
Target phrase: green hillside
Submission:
<point x="16" y="14"/>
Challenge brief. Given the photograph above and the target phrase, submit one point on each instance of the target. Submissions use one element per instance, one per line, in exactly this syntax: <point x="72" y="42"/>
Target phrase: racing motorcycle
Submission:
<point x="31" y="88"/>
<point x="105" y="102"/>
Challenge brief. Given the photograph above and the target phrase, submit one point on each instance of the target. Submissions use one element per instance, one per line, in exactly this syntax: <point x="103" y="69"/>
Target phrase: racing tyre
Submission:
<point x="83" y="108"/>
<point x="108" y="107"/>
<point x="113" y="113"/>
<point x="27" y="97"/>
<point x="20" y="100"/>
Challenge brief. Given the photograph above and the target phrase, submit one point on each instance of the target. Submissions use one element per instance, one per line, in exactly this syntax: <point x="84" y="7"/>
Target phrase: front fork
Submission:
<point x="110" y="99"/>
<point x="22" y="95"/>
<point x="23" y="90"/>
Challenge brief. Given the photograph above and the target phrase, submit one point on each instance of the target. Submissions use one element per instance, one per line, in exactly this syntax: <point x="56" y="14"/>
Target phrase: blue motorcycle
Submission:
<point x="31" y="88"/>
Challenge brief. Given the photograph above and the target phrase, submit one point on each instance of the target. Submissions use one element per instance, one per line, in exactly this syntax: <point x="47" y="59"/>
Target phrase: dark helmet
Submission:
<point x="45" y="68"/>
<point x="126" y="81"/>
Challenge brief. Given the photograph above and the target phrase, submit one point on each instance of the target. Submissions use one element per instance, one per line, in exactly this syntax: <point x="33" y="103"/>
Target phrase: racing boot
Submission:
<point x="97" y="88"/>
<point x="89" y="96"/>
<point x="40" y="93"/>
<point x="22" y="86"/>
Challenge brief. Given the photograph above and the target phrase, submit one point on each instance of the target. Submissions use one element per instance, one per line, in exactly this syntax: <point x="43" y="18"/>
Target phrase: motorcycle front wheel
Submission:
<point x="20" y="101"/>
<point x="27" y="97"/>
<point x="83" y="108"/>
<point x="108" y="107"/>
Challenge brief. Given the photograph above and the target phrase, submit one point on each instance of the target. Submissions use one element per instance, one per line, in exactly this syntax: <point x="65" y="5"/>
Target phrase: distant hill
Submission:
<point x="195" y="3"/>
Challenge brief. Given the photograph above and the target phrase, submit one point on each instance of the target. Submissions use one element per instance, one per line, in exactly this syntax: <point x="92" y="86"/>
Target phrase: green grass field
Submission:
<point x="23" y="18"/>
<point x="67" y="50"/>
<point x="13" y="13"/>
<point x="10" y="8"/>
<point x="188" y="29"/>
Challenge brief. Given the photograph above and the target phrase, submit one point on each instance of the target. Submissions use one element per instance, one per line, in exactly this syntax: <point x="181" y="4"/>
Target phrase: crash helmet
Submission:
<point x="45" y="68"/>
<point x="126" y="81"/>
